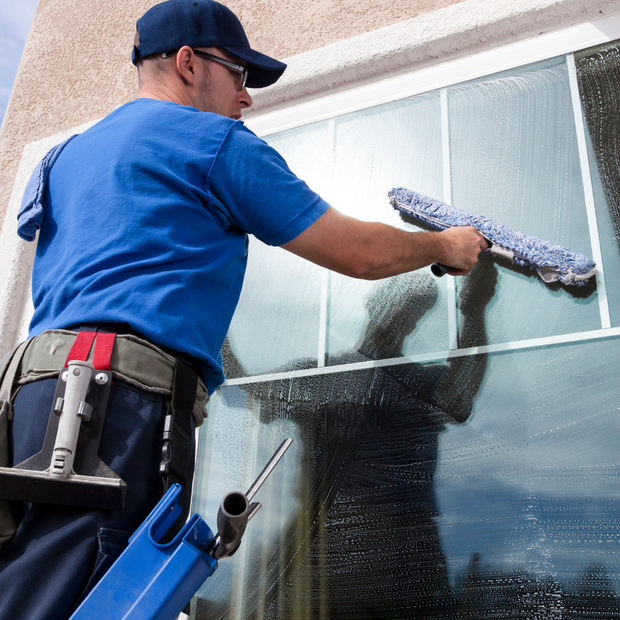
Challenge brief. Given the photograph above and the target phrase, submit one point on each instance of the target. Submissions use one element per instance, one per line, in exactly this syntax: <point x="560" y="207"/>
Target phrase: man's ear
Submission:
<point x="185" y="62"/>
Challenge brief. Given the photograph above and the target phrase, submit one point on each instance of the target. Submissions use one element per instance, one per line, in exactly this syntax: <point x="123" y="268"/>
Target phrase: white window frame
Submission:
<point x="449" y="74"/>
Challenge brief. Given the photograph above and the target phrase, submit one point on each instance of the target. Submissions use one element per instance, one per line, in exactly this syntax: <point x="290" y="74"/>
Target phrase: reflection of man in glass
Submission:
<point x="365" y="543"/>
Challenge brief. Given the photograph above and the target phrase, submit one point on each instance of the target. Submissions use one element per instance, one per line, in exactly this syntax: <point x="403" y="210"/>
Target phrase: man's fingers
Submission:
<point x="464" y="245"/>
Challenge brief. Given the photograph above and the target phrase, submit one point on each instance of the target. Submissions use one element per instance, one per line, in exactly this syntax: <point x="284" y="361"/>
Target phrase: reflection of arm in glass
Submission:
<point x="457" y="389"/>
<point x="232" y="366"/>
<point x="393" y="312"/>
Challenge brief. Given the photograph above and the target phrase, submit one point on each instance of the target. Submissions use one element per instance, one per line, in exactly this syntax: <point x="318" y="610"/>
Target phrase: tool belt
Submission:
<point x="128" y="358"/>
<point x="134" y="361"/>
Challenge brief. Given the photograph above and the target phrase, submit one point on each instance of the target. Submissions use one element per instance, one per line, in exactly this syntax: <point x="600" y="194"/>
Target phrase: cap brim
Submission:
<point x="262" y="70"/>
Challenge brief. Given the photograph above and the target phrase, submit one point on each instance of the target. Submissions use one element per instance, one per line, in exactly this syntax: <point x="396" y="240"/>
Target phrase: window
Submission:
<point x="456" y="442"/>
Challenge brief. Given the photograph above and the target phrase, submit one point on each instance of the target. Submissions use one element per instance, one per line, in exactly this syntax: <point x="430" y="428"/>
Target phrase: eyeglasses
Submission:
<point x="240" y="72"/>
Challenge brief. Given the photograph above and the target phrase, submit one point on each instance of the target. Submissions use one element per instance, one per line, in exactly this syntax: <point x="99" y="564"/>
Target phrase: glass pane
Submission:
<point x="415" y="305"/>
<point x="527" y="489"/>
<point x="396" y="145"/>
<point x="598" y="73"/>
<point x="515" y="160"/>
<point x="281" y="296"/>
<point x="277" y="319"/>
<point x="389" y="507"/>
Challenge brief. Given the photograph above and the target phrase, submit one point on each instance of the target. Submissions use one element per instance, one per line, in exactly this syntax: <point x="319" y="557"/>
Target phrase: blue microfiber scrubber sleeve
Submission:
<point x="552" y="262"/>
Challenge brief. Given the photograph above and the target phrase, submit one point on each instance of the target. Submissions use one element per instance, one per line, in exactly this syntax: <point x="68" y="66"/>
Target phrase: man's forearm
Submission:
<point x="371" y="250"/>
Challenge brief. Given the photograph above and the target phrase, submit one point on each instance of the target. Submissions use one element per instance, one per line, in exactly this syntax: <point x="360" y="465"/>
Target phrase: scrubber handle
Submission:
<point x="439" y="270"/>
<point x="236" y="511"/>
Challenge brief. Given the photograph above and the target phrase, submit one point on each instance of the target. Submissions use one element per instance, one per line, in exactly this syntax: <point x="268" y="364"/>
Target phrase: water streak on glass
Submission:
<point x="397" y="145"/>
<point x="515" y="160"/>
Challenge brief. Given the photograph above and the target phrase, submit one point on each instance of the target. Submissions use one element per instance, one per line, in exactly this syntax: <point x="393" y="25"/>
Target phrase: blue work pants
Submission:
<point x="58" y="552"/>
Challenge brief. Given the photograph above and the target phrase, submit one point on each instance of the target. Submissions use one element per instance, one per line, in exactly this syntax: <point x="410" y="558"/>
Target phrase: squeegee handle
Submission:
<point x="78" y="376"/>
<point x="236" y="511"/>
<point x="439" y="270"/>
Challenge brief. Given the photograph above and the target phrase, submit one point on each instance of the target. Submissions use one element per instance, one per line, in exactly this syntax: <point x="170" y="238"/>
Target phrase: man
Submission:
<point x="143" y="224"/>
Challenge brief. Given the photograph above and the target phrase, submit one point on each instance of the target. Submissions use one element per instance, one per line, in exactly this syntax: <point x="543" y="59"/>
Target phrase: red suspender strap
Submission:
<point x="81" y="347"/>
<point x="103" y="349"/>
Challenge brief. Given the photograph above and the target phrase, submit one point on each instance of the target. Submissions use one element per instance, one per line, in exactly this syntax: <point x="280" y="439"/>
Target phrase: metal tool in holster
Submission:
<point x="67" y="470"/>
<point x="155" y="580"/>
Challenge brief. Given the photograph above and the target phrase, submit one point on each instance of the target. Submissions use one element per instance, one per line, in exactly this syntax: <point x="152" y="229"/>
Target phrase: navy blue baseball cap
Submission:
<point x="168" y="26"/>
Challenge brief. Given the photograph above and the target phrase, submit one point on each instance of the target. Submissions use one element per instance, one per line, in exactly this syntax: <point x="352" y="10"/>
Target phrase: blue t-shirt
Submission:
<point x="144" y="221"/>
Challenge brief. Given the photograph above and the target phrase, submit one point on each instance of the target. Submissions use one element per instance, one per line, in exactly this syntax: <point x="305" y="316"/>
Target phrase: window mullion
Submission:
<point x="447" y="198"/>
<point x="588" y="191"/>
<point x="326" y="279"/>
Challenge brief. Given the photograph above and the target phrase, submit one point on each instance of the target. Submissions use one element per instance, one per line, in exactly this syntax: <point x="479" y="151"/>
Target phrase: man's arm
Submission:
<point x="371" y="251"/>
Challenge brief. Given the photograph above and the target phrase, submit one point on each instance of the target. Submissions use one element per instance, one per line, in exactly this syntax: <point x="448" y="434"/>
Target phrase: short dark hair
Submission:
<point x="157" y="65"/>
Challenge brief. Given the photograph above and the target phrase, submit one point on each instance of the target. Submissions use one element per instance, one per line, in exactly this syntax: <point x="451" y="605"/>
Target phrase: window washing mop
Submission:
<point x="552" y="262"/>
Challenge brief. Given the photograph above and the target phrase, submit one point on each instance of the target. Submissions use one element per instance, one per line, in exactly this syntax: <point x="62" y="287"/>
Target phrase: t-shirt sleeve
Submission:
<point x="254" y="189"/>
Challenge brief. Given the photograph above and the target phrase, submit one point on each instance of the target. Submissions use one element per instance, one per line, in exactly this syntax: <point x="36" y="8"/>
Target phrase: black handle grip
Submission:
<point x="439" y="270"/>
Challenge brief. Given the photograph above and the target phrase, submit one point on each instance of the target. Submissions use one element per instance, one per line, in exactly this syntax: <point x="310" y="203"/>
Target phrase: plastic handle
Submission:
<point x="439" y="270"/>
<point x="232" y="519"/>
<point x="78" y="379"/>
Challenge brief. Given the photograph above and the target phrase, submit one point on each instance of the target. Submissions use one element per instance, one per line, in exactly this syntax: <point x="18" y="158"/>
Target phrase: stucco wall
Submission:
<point x="286" y="28"/>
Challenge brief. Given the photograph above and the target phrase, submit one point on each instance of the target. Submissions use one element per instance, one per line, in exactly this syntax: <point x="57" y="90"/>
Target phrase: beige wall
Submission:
<point x="76" y="65"/>
<point x="288" y="27"/>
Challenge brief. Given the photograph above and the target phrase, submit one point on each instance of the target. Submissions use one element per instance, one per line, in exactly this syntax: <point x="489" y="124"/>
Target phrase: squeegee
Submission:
<point x="552" y="262"/>
<point x="67" y="470"/>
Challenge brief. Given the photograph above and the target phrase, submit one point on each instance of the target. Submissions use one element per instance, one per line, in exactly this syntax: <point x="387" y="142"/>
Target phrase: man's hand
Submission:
<point x="463" y="244"/>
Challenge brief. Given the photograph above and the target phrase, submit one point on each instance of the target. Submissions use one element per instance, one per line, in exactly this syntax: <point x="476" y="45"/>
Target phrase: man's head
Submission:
<point x="169" y="26"/>
<point x="394" y="309"/>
